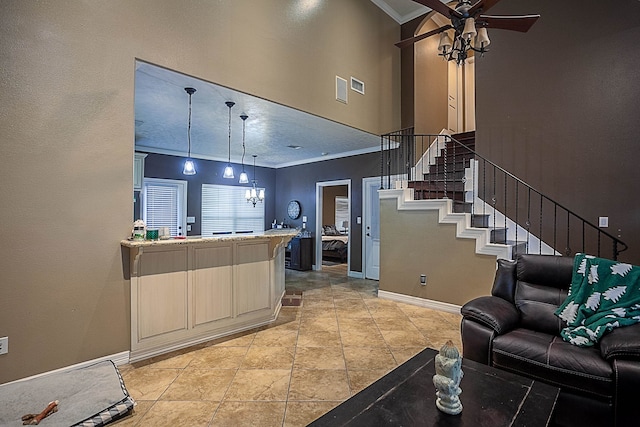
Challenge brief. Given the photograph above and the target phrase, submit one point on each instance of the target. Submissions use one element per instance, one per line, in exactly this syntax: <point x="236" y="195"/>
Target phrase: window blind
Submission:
<point x="161" y="206"/>
<point x="225" y="209"/>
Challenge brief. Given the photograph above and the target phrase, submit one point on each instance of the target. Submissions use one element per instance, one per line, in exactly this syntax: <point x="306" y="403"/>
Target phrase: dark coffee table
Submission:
<point x="406" y="397"/>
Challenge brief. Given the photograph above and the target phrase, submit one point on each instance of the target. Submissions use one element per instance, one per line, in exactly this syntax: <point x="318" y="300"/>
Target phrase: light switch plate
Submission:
<point x="603" y="221"/>
<point x="191" y="220"/>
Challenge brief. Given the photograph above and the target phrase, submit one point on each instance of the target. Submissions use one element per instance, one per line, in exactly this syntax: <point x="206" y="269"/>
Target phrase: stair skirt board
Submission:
<point x="420" y="302"/>
<point x="444" y="207"/>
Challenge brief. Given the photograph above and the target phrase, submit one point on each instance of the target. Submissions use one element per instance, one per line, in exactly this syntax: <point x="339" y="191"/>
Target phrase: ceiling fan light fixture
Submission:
<point x="445" y="42"/>
<point x="482" y="39"/>
<point x="469" y="31"/>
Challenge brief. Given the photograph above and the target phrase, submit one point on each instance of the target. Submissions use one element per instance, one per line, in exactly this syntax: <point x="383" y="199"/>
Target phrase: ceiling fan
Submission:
<point x="469" y="26"/>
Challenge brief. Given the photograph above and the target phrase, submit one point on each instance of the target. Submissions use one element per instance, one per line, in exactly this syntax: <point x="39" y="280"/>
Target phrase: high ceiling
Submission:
<point x="279" y="135"/>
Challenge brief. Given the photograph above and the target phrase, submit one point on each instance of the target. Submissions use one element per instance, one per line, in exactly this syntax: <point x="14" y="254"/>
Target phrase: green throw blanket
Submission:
<point x="604" y="294"/>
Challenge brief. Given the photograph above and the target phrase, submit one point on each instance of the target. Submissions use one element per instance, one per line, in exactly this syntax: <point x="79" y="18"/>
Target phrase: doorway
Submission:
<point x="333" y="215"/>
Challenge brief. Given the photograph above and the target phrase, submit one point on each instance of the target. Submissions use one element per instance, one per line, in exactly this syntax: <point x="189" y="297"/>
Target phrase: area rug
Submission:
<point x="292" y="299"/>
<point x="91" y="396"/>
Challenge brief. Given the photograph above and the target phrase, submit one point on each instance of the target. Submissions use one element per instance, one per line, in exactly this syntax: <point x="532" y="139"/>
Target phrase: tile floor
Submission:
<point x="311" y="359"/>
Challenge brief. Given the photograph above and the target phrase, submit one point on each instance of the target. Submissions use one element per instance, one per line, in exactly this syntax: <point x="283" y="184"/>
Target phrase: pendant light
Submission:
<point x="252" y="194"/>
<point x="189" y="167"/>
<point x="244" y="178"/>
<point x="228" y="171"/>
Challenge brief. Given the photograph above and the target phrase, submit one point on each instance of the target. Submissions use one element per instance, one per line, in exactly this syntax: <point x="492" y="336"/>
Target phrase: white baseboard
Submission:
<point x="421" y="302"/>
<point x="121" y="358"/>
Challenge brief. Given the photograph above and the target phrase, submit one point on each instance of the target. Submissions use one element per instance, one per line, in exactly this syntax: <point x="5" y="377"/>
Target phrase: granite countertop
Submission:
<point x="282" y="232"/>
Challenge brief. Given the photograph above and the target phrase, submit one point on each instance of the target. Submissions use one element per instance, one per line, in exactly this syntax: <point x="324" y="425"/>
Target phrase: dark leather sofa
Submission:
<point x="515" y="329"/>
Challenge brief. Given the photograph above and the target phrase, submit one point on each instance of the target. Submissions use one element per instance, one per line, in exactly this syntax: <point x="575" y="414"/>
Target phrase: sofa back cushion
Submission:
<point x="542" y="283"/>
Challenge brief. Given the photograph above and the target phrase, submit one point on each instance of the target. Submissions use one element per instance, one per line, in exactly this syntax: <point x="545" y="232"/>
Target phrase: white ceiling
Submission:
<point x="161" y="118"/>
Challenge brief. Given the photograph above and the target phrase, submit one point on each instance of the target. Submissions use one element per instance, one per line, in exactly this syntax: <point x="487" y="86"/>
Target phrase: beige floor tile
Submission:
<point x="311" y="338"/>
<point x="218" y="358"/>
<point x="360" y="338"/>
<point x="240" y="340"/>
<point x="361" y="379"/>
<point x="369" y="358"/>
<point x="249" y="414"/>
<point x="350" y="314"/>
<point x="319" y="384"/>
<point x="350" y="304"/>
<point x="172" y="413"/>
<point x="200" y="384"/>
<point x="300" y="414"/>
<point x="325" y="302"/>
<point x="274" y="337"/>
<point x="395" y="324"/>
<point x="148" y="384"/>
<point x="405" y="338"/>
<point x="402" y="354"/>
<point x="259" y="384"/>
<point x="319" y="358"/>
<point x="317" y="312"/>
<point x="139" y="410"/>
<point x="268" y="358"/>
<point x="325" y="324"/>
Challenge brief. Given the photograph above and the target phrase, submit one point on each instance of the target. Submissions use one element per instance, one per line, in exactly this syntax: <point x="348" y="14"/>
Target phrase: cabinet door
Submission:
<point x="253" y="290"/>
<point x="212" y="284"/>
<point x="162" y="293"/>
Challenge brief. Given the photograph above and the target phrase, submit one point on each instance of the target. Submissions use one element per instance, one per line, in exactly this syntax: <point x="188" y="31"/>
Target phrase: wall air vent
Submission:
<point x="341" y="89"/>
<point x="357" y="85"/>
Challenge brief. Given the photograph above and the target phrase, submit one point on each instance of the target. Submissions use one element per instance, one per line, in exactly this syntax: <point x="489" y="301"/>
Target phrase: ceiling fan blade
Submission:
<point x="439" y="7"/>
<point x="482" y="4"/>
<point x="514" y="23"/>
<point x="412" y="40"/>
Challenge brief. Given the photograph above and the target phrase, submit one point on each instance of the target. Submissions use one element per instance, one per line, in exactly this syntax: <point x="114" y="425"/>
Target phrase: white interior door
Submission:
<point x="371" y="235"/>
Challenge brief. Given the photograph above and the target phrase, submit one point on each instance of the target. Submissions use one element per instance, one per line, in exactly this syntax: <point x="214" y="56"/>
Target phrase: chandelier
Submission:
<point x="254" y="194"/>
<point x="465" y="37"/>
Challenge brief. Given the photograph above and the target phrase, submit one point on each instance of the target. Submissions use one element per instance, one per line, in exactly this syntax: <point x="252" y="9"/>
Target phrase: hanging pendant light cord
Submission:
<point x="189" y="127"/>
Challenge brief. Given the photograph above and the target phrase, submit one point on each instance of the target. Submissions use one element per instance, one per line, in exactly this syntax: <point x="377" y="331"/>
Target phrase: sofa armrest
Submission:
<point x="493" y="312"/>
<point x="621" y="343"/>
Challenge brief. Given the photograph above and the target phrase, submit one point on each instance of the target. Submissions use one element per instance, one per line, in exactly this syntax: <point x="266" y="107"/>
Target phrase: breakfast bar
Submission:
<point x="188" y="291"/>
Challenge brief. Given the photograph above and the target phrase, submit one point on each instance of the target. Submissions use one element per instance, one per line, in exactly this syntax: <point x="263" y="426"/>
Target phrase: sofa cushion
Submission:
<point x="542" y="283"/>
<point x="548" y="358"/>
<point x="537" y="305"/>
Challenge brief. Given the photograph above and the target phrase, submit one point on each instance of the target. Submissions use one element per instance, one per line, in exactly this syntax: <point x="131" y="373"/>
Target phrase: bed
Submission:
<point x="334" y="244"/>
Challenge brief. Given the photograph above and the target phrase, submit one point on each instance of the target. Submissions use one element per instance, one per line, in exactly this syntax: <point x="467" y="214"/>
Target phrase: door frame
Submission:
<point x="319" y="187"/>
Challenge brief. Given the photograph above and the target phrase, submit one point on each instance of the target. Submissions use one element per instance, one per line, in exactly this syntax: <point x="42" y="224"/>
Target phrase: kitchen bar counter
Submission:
<point x="188" y="291"/>
<point x="287" y="233"/>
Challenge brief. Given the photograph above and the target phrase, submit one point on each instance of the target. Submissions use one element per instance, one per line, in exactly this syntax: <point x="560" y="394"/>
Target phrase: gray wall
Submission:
<point x="558" y="107"/>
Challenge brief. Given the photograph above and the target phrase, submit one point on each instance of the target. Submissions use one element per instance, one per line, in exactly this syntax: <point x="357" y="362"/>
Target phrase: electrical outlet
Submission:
<point x="4" y="345"/>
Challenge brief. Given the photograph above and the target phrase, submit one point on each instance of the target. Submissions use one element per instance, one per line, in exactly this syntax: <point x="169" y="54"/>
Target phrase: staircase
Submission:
<point x="488" y="203"/>
<point x="446" y="176"/>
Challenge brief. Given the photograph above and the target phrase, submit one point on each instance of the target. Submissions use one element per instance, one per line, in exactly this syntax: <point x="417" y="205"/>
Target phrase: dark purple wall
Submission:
<point x="281" y="186"/>
<point x="299" y="183"/>
<point x="208" y="172"/>
<point x="559" y="106"/>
